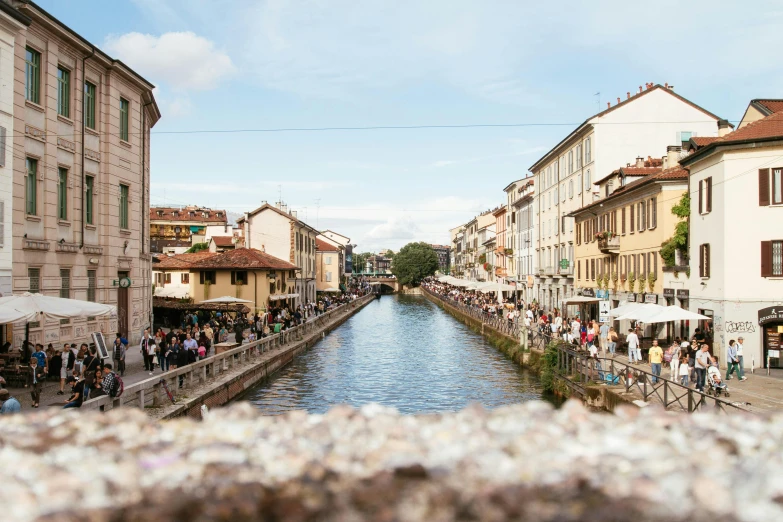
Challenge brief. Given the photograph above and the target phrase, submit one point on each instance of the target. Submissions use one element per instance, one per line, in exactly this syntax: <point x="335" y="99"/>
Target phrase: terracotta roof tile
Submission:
<point x="703" y="141"/>
<point x="182" y="261"/>
<point x="184" y="214"/>
<point x="640" y="171"/>
<point x="769" y="127"/>
<point x="323" y="246"/>
<point x="223" y="241"/>
<point x="771" y="105"/>
<point x="244" y="258"/>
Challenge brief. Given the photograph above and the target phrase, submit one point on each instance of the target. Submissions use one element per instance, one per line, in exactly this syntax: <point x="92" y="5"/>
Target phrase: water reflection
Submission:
<point x="400" y="351"/>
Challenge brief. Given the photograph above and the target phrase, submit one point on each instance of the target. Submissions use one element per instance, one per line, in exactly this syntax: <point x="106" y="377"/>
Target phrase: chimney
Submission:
<point x="673" y="156"/>
<point x="665" y="162"/>
<point x="723" y="128"/>
<point x="618" y="100"/>
<point x="639" y="161"/>
<point x="640" y="89"/>
<point x="666" y="85"/>
<point x="608" y="105"/>
<point x="629" y="95"/>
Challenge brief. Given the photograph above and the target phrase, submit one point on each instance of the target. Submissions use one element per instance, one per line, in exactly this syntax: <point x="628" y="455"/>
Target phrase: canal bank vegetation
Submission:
<point x="413" y="263"/>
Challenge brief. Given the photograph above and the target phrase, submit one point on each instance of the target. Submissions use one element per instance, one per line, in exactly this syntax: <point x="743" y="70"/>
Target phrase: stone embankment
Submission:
<point x="521" y="462"/>
<point x="218" y="379"/>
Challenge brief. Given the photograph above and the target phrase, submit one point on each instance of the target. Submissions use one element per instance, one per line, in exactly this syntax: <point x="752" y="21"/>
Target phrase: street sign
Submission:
<point x="603" y="311"/>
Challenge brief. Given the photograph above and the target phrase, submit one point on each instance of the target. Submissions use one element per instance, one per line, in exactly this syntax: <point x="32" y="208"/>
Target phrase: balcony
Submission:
<point x="609" y="245"/>
<point x="500" y="271"/>
<point x="567" y="271"/>
<point x="550" y="270"/>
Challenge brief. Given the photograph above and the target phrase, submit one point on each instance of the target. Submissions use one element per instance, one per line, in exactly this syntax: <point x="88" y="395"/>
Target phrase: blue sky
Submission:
<point x="242" y="64"/>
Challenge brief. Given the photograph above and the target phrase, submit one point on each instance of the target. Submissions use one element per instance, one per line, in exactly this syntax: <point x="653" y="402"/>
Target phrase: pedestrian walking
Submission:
<point x="35" y="377"/>
<point x="732" y="361"/>
<point x="740" y="358"/>
<point x="633" y="345"/>
<point x="120" y="344"/>
<point x="656" y="360"/>
<point x="701" y="364"/>
<point x="685" y="370"/>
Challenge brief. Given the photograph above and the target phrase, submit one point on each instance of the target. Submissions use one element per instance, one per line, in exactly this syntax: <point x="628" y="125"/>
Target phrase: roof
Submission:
<point x="765" y="129"/>
<point x="703" y="141"/>
<point x="200" y="214"/>
<point x="182" y="261"/>
<point x="637" y="171"/>
<point x="498" y="211"/>
<point x="267" y="206"/>
<point x="323" y="246"/>
<point x="768" y="106"/>
<point x="623" y="103"/>
<point x="16" y="15"/>
<point x="243" y="258"/>
<point x="336" y="234"/>
<point x="512" y="184"/>
<point x="223" y="241"/>
<point x="672" y="174"/>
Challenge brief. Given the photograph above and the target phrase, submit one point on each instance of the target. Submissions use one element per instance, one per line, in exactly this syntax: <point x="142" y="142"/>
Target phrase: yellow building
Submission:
<point x="618" y="237"/>
<point x="328" y="266"/>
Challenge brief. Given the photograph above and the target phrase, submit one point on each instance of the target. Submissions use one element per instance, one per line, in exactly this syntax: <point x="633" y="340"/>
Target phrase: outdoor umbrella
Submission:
<point x="674" y="313"/>
<point x="624" y="309"/>
<point x="642" y="313"/>
<point x="32" y="307"/>
<point x="227" y="299"/>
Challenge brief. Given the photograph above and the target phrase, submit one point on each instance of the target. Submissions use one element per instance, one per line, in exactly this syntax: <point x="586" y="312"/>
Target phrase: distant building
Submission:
<point x="444" y="257"/>
<point x="347" y="247"/>
<point x="173" y="230"/>
<point x="222" y="243"/>
<point x="328" y="262"/>
<point x="378" y="264"/>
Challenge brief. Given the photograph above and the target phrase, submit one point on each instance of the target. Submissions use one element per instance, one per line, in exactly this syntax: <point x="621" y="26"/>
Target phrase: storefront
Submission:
<point x="771" y="323"/>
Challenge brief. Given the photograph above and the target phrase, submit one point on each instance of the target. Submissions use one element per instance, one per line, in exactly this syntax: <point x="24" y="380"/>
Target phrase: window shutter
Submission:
<point x="623" y="221"/>
<point x="655" y="263"/>
<point x="701" y="259"/>
<point x="579" y="270"/>
<point x="654" y="212"/>
<point x="763" y="188"/>
<point x="648" y="214"/>
<point x="632" y="218"/>
<point x="709" y="194"/>
<point x="707" y="260"/>
<point x="766" y="258"/>
<point x="201" y="277"/>
<point x="2" y="224"/>
<point x="2" y="146"/>
<point x="701" y="198"/>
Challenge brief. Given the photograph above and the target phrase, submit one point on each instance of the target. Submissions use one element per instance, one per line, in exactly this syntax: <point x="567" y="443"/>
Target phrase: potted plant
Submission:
<point x="642" y="281"/>
<point x="614" y="280"/>
<point x="651" y="278"/>
<point x="631" y="281"/>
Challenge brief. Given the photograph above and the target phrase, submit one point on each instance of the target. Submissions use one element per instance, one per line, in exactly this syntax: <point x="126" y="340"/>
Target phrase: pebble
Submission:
<point x="526" y="461"/>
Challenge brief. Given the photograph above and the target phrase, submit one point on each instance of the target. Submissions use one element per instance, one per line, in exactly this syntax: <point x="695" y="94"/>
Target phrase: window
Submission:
<point x="570" y="161"/>
<point x="124" y="193"/>
<point x="35" y="280"/>
<point x="705" y="196"/>
<point x="62" y="194"/>
<point x="622" y="230"/>
<point x="579" y="269"/>
<point x="770" y="187"/>
<point x="578" y="183"/>
<point x="642" y="217"/>
<point x="328" y="277"/>
<point x="771" y="258"/>
<point x="65" y="283"/>
<point x="239" y="277"/>
<point x="32" y="85"/>
<point x="63" y="92"/>
<point x="328" y="260"/>
<point x="592" y="269"/>
<point x="571" y="188"/>
<point x="685" y="136"/>
<point x="704" y="260"/>
<point x="653" y="213"/>
<point x="89" y="183"/>
<point x="124" y="107"/>
<point x="166" y="279"/>
<point x="91" y="285"/>
<point x="89" y="105"/>
<point x="587" y="180"/>
<point x="608" y="188"/>
<point x="207" y="277"/>
<point x="579" y="156"/>
<point x="184" y="278"/>
<point x="31" y="187"/>
<point x="633" y="223"/>
<point x="588" y="151"/>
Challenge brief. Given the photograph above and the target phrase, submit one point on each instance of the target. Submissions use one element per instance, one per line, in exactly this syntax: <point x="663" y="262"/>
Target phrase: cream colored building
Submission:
<point x="81" y="141"/>
<point x="566" y="175"/>
<point x="328" y="265"/>
<point x="524" y="205"/>
<point x="278" y="232"/>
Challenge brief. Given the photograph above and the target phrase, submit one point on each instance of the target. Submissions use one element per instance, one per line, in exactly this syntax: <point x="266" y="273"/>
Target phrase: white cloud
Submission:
<point x="395" y="228"/>
<point x="184" y="60"/>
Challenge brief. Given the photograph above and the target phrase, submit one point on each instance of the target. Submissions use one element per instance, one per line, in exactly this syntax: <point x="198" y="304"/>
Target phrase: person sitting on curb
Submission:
<point x="8" y="404"/>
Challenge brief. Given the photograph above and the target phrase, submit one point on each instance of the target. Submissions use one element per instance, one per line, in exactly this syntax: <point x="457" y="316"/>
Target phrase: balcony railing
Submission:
<point x="550" y="270"/>
<point x="609" y="245"/>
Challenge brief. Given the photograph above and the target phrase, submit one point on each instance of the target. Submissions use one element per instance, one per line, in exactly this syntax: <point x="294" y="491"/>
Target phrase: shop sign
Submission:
<point x="603" y="311"/>
<point x="651" y="298"/>
<point x="683" y="294"/>
<point x="588" y="292"/>
<point x="772" y="314"/>
<point x="631" y="298"/>
<point x="668" y="293"/>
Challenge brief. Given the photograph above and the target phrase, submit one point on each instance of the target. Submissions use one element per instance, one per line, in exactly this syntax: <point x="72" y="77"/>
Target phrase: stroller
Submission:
<point x="715" y="384"/>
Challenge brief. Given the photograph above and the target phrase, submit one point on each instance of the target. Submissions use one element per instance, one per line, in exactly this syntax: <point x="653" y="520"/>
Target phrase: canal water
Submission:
<point x="400" y="351"/>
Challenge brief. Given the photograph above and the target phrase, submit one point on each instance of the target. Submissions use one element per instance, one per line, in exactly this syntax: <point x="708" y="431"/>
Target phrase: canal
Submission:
<point x="400" y="351"/>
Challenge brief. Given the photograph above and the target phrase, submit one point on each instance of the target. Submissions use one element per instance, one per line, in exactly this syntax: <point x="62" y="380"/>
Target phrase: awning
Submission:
<point x="173" y="292"/>
<point x="580" y="299"/>
<point x="280" y="297"/>
<point x="34" y="307"/>
<point x="624" y="309"/>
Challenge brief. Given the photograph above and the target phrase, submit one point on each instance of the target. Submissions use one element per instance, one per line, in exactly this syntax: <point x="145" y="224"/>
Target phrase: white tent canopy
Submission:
<point x="624" y="309"/>
<point x="279" y="297"/>
<point x="175" y="292"/>
<point x="497" y="287"/>
<point x="33" y="307"/>
<point x="579" y="299"/>
<point x="642" y="313"/>
<point x="674" y="313"/>
<point x="227" y="299"/>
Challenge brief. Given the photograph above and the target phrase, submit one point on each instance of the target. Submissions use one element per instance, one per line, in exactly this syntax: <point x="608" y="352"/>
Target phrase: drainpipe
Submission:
<point x="255" y="292"/>
<point x="84" y="123"/>
<point x="144" y="211"/>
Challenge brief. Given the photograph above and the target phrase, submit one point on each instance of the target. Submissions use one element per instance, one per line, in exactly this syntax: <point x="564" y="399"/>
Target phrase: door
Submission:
<point x="122" y="306"/>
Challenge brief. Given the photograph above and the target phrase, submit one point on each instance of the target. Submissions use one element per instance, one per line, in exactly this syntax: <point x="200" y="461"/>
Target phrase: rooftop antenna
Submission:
<point x="598" y="100"/>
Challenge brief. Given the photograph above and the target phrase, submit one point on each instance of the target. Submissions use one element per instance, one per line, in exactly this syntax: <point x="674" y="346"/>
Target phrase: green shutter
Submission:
<point x="32" y="86"/>
<point x="124" y="189"/>
<point x="124" y="105"/>
<point x="62" y="194"/>
<point x="88" y="200"/>
<point x="89" y="105"/>
<point x="30" y="186"/>
<point x="63" y="92"/>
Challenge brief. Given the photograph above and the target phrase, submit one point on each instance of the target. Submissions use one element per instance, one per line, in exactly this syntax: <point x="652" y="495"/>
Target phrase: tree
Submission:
<point x="198" y="247"/>
<point x="414" y="262"/>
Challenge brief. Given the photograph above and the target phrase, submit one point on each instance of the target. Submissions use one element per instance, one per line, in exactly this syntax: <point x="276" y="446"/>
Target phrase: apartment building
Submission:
<point x="276" y="231"/>
<point x="736" y="236"/>
<point x="486" y="253"/>
<point x="344" y="242"/>
<point x="644" y="123"/>
<point x="444" y="255"/>
<point x="524" y="208"/>
<point x="501" y="255"/>
<point x="173" y="230"/>
<point x="81" y="148"/>
<point x="328" y="262"/>
<point x="512" y="227"/>
<point x="457" y="250"/>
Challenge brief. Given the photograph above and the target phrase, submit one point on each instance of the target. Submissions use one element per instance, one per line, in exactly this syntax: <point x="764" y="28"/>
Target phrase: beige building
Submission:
<point x="328" y="262"/>
<point x="81" y="141"/>
<point x="173" y="230"/>
<point x="278" y="232"/>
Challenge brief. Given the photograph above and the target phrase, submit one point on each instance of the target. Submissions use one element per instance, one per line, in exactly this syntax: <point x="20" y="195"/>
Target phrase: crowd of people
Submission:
<point x="689" y="361"/>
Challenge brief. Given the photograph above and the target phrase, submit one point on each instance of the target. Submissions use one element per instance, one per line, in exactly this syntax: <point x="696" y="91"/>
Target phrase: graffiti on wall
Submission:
<point x="740" y="327"/>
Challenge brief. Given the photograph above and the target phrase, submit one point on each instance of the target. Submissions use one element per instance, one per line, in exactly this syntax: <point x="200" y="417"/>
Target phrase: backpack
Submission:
<point x="117" y="387"/>
<point x="667" y="356"/>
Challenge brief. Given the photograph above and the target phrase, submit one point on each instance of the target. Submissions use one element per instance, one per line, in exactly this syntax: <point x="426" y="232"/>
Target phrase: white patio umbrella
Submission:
<point x="32" y="307"/>
<point x="642" y="313"/>
<point x="227" y="299"/>
<point x="675" y="313"/>
<point x="497" y="287"/>
<point x="624" y="309"/>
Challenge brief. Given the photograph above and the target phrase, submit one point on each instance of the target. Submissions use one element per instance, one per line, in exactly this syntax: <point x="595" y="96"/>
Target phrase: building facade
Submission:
<point x="444" y="257"/>
<point x="329" y="266"/>
<point x="81" y="142"/>
<point x="278" y="232"/>
<point x="501" y="255"/>
<point x="173" y="230"/>
<point x="524" y="207"/>
<point x="736" y="238"/>
<point x="347" y="249"/>
<point x="566" y="175"/>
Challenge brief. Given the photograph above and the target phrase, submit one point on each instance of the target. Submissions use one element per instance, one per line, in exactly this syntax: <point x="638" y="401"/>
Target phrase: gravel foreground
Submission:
<point x="521" y="462"/>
